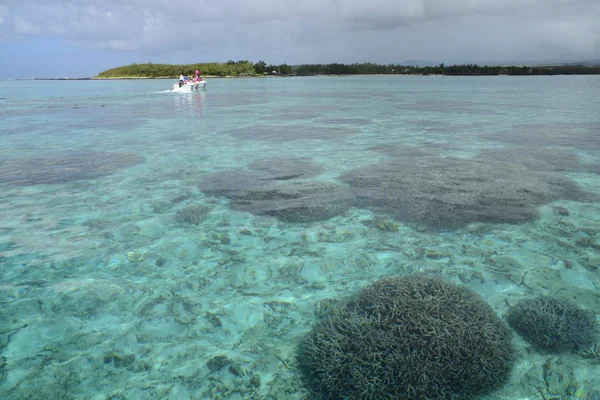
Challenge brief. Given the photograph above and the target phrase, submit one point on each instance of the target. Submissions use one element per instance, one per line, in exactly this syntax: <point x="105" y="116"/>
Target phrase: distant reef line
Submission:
<point x="245" y="68"/>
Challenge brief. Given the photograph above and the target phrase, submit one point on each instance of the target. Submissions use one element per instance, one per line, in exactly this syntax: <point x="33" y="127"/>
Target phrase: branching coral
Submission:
<point x="553" y="325"/>
<point x="194" y="214"/>
<point x="409" y="337"/>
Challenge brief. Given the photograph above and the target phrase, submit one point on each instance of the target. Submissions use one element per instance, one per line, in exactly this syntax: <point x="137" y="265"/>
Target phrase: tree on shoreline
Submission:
<point x="260" y="67"/>
<point x="247" y="68"/>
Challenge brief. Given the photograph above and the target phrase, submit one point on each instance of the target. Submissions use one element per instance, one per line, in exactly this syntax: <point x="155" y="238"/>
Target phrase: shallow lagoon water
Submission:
<point x="168" y="245"/>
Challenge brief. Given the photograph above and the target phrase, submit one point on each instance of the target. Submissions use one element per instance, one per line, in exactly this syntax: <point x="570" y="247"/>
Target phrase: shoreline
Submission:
<point x="96" y="78"/>
<point x="101" y="78"/>
<point x="335" y="75"/>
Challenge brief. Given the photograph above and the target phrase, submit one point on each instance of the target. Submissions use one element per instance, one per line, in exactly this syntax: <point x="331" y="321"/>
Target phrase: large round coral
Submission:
<point x="411" y="337"/>
<point x="553" y="325"/>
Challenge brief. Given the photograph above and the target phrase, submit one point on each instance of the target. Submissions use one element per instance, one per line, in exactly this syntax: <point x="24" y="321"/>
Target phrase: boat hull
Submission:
<point x="189" y="86"/>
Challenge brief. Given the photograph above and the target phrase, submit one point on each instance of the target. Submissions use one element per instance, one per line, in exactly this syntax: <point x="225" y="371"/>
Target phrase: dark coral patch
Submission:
<point x="295" y="202"/>
<point x="193" y="214"/>
<point x="430" y="149"/>
<point x="288" y="133"/>
<point x="64" y="167"/>
<point x="536" y="159"/>
<point x="230" y="183"/>
<point x="582" y="135"/>
<point x="450" y="193"/>
<point x="276" y="187"/>
<point x="282" y="169"/>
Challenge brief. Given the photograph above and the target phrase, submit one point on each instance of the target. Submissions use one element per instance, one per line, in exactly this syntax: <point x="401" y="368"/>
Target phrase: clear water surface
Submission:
<point x="159" y="245"/>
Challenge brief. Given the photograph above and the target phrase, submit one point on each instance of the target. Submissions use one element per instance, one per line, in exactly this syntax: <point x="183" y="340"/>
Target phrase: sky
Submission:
<point x="80" y="38"/>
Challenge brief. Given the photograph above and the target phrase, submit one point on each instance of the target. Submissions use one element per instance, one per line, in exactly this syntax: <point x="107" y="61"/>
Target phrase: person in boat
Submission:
<point x="197" y="75"/>
<point x="181" y="80"/>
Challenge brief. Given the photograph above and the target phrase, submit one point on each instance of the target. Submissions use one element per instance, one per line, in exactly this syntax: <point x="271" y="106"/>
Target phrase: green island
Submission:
<point x="245" y="68"/>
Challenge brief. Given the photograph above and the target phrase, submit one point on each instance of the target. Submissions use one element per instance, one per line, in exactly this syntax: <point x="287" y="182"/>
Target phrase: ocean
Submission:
<point x="160" y="245"/>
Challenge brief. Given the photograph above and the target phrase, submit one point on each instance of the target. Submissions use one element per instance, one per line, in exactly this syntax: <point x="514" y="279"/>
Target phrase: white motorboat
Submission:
<point x="189" y="86"/>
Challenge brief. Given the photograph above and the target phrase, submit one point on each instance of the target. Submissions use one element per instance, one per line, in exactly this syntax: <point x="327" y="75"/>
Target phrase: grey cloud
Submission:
<point x="317" y="31"/>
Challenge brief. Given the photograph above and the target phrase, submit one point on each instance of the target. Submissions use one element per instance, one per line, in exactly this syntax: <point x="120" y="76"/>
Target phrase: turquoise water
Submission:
<point x="158" y="245"/>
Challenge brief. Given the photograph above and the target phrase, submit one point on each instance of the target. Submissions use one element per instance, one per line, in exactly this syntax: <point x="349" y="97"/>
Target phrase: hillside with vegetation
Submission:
<point x="230" y="68"/>
<point x="247" y="68"/>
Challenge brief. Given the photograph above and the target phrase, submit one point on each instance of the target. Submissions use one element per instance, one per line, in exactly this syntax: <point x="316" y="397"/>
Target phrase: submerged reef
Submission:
<point x="429" y="149"/>
<point x="553" y="325"/>
<point x="289" y="133"/>
<point x="282" y="169"/>
<point x="451" y="192"/>
<point x="276" y="187"/>
<point x="412" y="337"/>
<point x="64" y="167"/>
<point x="539" y="159"/>
<point x="295" y="202"/>
<point x="500" y="186"/>
<point x="260" y="173"/>
<point x="582" y="135"/>
<point x="193" y="214"/>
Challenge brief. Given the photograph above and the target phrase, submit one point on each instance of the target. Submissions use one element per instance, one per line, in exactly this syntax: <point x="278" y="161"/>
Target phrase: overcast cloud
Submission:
<point x="300" y="31"/>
